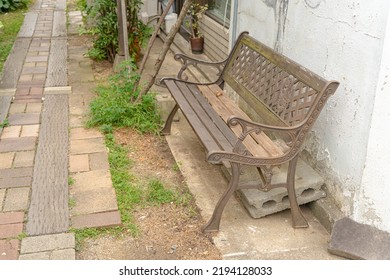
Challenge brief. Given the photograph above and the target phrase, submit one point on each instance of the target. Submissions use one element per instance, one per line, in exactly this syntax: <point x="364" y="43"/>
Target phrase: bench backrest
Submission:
<point x="288" y="93"/>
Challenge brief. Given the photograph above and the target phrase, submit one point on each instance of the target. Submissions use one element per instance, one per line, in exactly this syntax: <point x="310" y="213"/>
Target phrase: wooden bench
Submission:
<point x="284" y="99"/>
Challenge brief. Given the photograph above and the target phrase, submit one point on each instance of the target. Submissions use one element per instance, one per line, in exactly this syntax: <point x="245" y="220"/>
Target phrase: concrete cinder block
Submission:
<point x="308" y="187"/>
<point x="165" y="104"/>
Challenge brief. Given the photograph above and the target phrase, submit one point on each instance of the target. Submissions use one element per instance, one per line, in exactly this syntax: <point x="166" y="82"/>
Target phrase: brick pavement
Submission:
<point x="36" y="77"/>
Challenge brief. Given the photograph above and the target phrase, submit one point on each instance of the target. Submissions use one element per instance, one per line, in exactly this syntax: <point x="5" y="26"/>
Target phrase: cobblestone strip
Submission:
<point x="48" y="211"/>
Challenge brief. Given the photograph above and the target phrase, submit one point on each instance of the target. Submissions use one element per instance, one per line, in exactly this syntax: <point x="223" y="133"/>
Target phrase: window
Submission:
<point x="220" y="10"/>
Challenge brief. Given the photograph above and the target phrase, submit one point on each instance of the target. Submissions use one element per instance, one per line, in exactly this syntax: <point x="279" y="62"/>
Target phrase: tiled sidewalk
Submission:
<point x="44" y="138"/>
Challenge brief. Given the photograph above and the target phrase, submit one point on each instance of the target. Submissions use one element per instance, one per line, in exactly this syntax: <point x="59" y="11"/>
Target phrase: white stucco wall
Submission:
<point x="373" y="203"/>
<point x="343" y="41"/>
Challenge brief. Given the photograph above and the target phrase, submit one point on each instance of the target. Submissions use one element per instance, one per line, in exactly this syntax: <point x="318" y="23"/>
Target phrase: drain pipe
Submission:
<point x="234" y="23"/>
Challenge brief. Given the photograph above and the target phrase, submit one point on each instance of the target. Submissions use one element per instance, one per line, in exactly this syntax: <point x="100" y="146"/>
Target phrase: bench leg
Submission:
<point x="298" y="220"/>
<point x="168" y="123"/>
<point x="213" y="224"/>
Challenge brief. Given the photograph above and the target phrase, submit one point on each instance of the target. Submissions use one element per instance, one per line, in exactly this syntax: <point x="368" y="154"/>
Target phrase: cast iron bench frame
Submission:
<point x="285" y="99"/>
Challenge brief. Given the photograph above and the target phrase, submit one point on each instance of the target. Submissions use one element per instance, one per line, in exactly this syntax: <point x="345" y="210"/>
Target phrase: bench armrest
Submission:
<point x="246" y="124"/>
<point x="287" y="133"/>
<point x="188" y="62"/>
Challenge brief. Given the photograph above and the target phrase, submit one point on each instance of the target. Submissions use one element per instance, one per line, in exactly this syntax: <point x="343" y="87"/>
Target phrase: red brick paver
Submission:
<point x="9" y="249"/>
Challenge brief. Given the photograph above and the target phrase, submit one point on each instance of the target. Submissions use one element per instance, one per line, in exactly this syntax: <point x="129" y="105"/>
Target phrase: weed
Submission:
<point x="22" y="236"/>
<point x="157" y="194"/>
<point x="4" y="123"/>
<point x="114" y="104"/>
<point x="176" y="166"/>
<point x="71" y="202"/>
<point x="71" y="181"/>
<point x="128" y="194"/>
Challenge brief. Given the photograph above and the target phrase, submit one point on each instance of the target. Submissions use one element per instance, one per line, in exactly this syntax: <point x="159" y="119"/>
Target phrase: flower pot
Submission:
<point x="197" y="45"/>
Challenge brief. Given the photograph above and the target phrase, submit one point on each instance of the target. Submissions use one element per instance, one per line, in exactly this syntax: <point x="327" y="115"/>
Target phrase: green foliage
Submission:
<point x="12" y="21"/>
<point x="115" y="106"/>
<point x="158" y="194"/>
<point x="128" y="194"/>
<point x="106" y="43"/>
<point x="12" y="5"/>
<point x="103" y="13"/>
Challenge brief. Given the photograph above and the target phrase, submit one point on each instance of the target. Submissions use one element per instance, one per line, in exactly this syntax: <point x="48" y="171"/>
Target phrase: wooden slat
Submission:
<point x="260" y="144"/>
<point x="189" y="94"/>
<point x="223" y="127"/>
<point x="193" y="119"/>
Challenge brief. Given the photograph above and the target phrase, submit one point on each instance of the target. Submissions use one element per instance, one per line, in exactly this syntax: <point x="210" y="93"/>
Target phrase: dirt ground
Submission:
<point x="167" y="232"/>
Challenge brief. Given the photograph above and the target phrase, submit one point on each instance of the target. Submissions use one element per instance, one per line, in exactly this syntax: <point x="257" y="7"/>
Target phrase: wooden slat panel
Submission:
<point x="193" y="119"/>
<point x="223" y="127"/>
<point x="207" y="122"/>
<point x="260" y="144"/>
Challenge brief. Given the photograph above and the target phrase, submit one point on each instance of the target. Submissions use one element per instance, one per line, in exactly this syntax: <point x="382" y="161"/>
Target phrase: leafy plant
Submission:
<point x="106" y="29"/>
<point x="12" y="5"/>
<point x="195" y="12"/>
<point x="106" y="44"/>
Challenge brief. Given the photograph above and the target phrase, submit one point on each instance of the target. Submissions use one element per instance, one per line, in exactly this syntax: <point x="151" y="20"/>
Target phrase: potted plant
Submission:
<point x="195" y="13"/>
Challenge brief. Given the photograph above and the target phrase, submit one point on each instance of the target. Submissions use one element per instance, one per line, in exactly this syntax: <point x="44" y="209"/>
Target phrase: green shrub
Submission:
<point x="12" y="5"/>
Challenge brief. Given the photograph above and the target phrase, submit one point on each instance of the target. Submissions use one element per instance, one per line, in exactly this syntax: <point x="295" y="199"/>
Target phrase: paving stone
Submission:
<point x="25" y="78"/>
<point x="354" y="240"/>
<point x="33" y="70"/>
<point x="22" y="91"/>
<point x="94" y="201"/>
<point x="59" y="23"/>
<point x="2" y="196"/>
<point x="96" y="179"/>
<point x="67" y="90"/>
<point x="57" y="74"/>
<point x="28" y="27"/>
<point x="42" y="243"/>
<point x="87" y="146"/>
<point x="24" y="159"/>
<point x="34" y="107"/>
<point x="17" y="108"/>
<point x="19" y="144"/>
<point x="10" y="230"/>
<point x="99" y="161"/>
<point x="17" y="199"/>
<point x="9" y="249"/>
<point x="79" y="133"/>
<point x="6" y="160"/>
<point x="37" y="58"/>
<point x="15" y="182"/>
<point x="76" y="121"/>
<point x="12" y="131"/>
<point x="15" y="172"/>
<point x="11" y="218"/>
<point x="23" y="119"/>
<point x="66" y="254"/>
<point x="30" y="130"/>
<point x="34" y="100"/>
<point x="105" y="219"/>
<point x="78" y="163"/>
<point x="14" y="63"/>
<point x="35" y="256"/>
